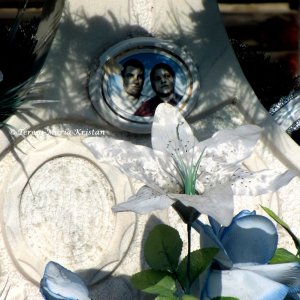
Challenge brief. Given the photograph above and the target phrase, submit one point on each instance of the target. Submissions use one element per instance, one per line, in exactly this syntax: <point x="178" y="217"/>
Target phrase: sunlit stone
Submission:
<point x="65" y="212"/>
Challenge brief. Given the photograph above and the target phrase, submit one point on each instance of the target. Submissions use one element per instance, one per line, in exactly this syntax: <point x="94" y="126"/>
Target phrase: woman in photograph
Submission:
<point x="162" y="78"/>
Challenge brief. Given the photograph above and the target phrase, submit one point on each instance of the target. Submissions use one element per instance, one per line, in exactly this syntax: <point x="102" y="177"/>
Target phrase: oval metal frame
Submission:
<point x="151" y="51"/>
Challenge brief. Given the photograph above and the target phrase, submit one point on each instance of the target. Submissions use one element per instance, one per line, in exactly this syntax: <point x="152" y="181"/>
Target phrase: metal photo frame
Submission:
<point x="135" y="75"/>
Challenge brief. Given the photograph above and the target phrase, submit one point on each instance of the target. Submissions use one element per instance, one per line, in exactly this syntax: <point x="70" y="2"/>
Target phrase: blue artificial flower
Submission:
<point x="58" y="283"/>
<point x="241" y="268"/>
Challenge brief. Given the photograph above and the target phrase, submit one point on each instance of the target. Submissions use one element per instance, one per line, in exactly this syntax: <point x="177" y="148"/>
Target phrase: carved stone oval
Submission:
<point x="65" y="212"/>
<point x="57" y="206"/>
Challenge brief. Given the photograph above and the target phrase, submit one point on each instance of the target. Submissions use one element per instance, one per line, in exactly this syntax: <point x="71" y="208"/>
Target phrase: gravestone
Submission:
<point x="56" y="198"/>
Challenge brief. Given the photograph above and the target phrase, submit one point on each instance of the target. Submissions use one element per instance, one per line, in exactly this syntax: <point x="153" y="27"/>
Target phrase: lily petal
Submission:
<point x="229" y="146"/>
<point x="250" y="239"/>
<point x="225" y="152"/>
<point x="60" y="283"/>
<point x="144" y="201"/>
<point x="167" y="164"/>
<point x="288" y="274"/>
<point x="243" y="284"/>
<point x="170" y="132"/>
<point x="138" y="162"/>
<point x="258" y="183"/>
<point x="216" y="203"/>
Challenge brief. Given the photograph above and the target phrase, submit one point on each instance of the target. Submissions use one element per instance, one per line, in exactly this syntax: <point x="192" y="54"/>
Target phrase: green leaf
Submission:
<point x="166" y="298"/>
<point x="275" y="217"/>
<point x="163" y="248"/>
<point x="224" y="298"/>
<point x="200" y="260"/>
<point x="147" y="278"/>
<point x="165" y="287"/>
<point x="283" y="256"/>
<point x="189" y="297"/>
<point x="284" y="225"/>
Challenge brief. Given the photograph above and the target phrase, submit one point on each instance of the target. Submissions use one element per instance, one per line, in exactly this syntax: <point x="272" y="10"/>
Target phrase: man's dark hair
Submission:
<point x="161" y="66"/>
<point x="132" y="63"/>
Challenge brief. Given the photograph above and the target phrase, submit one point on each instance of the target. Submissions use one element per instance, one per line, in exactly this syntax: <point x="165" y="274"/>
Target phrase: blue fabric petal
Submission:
<point x="244" y="213"/>
<point x="288" y="274"/>
<point x="243" y="285"/>
<point x="250" y="239"/>
<point x="59" y="283"/>
<point x="209" y="239"/>
<point x="240" y="215"/>
<point x="47" y="294"/>
<point x="216" y="227"/>
<point x="293" y="297"/>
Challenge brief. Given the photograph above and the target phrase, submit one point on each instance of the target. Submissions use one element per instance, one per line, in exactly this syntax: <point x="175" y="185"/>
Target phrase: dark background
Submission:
<point x="265" y="36"/>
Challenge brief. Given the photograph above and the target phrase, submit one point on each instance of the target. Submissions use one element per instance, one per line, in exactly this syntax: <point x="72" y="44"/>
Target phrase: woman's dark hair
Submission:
<point x="161" y="66"/>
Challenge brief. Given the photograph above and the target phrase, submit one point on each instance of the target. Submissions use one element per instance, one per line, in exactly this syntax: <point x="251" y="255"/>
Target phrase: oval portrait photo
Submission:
<point x="135" y="76"/>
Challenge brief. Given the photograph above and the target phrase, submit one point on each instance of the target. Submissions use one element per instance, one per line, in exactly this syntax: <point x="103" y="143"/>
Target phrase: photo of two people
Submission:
<point x="130" y="79"/>
<point x="145" y="86"/>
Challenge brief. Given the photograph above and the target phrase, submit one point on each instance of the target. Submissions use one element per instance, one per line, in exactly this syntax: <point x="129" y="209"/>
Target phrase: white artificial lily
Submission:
<point x="58" y="283"/>
<point x="248" y="243"/>
<point x="203" y="175"/>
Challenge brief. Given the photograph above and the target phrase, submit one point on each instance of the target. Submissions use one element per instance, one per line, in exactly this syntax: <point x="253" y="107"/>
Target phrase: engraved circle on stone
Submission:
<point x="65" y="212"/>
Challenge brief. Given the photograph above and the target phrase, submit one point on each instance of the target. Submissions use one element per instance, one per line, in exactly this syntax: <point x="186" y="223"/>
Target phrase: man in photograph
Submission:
<point x="133" y="76"/>
<point x="127" y="94"/>
<point x="162" y="78"/>
<point x="125" y="85"/>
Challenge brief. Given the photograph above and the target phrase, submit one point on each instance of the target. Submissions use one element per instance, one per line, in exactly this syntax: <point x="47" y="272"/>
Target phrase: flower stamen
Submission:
<point x="186" y="168"/>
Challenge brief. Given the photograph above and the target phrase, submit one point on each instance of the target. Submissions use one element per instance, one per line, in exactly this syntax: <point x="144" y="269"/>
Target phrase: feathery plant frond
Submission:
<point x="22" y="54"/>
<point x="18" y="42"/>
<point x="13" y="30"/>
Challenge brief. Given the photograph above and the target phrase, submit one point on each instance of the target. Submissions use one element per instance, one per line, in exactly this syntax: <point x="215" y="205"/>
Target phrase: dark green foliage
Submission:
<point x="163" y="248"/>
<point x="168" y="278"/>
<point x="200" y="261"/>
<point x="283" y="256"/>
<point x="147" y="278"/>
